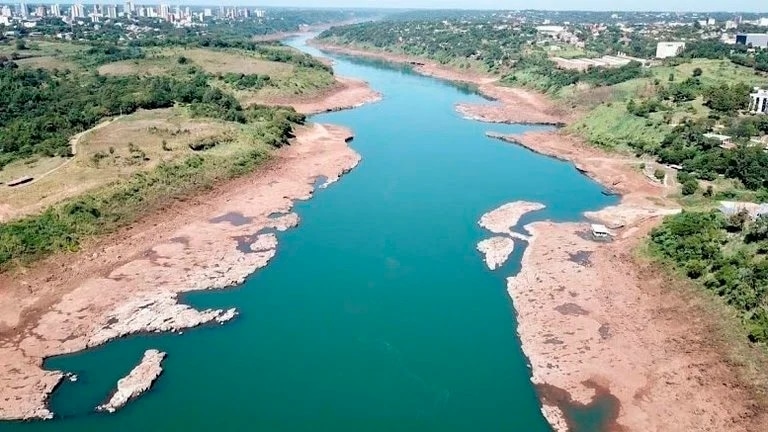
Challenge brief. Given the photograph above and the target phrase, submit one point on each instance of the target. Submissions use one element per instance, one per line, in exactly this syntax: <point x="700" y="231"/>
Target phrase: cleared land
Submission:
<point x="45" y="54"/>
<point x="161" y="62"/>
<point x="286" y="81"/>
<point x="109" y="152"/>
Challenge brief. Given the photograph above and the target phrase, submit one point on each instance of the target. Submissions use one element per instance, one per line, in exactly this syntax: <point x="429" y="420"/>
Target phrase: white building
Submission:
<point x="758" y="101"/>
<point x="165" y="11"/>
<point x="56" y="10"/>
<point x="77" y="10"/>
<point x="669" y="49"/>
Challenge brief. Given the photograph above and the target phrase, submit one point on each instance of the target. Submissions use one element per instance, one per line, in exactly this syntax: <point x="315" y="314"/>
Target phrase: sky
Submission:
<point x="664" y="5"/>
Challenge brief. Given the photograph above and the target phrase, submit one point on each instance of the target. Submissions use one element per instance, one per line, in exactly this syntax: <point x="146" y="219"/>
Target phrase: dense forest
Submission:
<point x="727" y="254"/>
<point x="495" y="46"/>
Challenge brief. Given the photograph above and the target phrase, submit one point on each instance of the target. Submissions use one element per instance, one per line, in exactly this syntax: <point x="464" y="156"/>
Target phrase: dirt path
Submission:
<point x="73" y="142"/>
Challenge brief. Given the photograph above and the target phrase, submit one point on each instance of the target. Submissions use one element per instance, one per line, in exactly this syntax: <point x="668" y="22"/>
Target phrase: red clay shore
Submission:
<point x="512" y="105"/>
<point x="348" y="93"/>
<point x="597" y="322"/>
<point x="129" y="282"/>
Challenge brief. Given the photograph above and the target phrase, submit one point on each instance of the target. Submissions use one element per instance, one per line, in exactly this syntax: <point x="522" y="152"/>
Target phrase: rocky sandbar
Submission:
<point x="138" y="381"/>
<point x="496" y="250"/>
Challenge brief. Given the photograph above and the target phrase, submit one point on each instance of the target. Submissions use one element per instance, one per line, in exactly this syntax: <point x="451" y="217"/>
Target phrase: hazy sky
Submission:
<point x="666" y="5"/>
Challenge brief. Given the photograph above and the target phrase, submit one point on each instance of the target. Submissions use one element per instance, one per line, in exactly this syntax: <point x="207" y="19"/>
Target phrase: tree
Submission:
<point x="697" y="72"/>
<point x="758" y="230"/>
<point x="727" y="98"/>
<point x="690" y="187"/>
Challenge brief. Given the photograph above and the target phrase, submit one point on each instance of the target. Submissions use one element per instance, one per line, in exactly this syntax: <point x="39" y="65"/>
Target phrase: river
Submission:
<point x="377" y="314"/>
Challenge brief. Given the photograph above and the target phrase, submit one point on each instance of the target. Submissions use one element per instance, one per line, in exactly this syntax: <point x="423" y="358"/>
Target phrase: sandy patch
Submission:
<point x="128" y="283"/>
<point x="601" y="329"/>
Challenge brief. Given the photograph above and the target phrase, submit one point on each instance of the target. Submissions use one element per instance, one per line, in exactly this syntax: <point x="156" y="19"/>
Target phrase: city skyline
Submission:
<point x="553" y="5"/>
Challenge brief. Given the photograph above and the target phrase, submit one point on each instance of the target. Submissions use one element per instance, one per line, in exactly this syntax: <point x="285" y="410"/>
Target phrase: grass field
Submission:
<point x="713" y="72"/>
<point x="607" y="123"/>
<point x="611" y="126"/>
<point x="45" y="54"/>
<point x="137" y="142"/>
<point x="287" y="81"/>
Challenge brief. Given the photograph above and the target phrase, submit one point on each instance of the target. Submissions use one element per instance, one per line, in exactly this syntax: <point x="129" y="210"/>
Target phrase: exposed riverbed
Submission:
<point x="378" y="312"/>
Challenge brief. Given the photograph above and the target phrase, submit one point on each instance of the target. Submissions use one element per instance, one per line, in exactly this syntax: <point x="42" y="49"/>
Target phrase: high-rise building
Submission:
<point x="111" y="11"/>
<point x="165" y="11"/>
<point x="55" y="10"/>
<point x="23" y="11"/>
<point x="260" y="13"/>
<point x="129" y="8"/>
<point x="207" y="12"/>
<point x="77" y="11"/>
<point x="40" y="11"/>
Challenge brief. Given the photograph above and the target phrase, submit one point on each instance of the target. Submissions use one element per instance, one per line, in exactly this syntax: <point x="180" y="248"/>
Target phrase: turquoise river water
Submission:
<point x="377" y="313"/>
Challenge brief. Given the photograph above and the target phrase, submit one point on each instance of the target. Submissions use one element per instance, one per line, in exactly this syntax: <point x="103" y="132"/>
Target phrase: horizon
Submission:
<point x="394" y="5"/>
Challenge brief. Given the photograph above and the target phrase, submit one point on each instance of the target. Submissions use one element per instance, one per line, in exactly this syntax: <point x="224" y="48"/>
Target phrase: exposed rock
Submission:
<point x="132" y="285"/>
<point x="159" y="313"/>
<point x="138" y="381"/>
<point x="496" y="250"/>
<point x="502" y="219"/>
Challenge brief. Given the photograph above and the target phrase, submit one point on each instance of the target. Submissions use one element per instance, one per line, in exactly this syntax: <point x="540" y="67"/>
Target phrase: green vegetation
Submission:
<point x="727" y="255"/>
<point x="537" y="71"/>
<point x="492" y="47"/>
<point x="666" y="111"/>
<point x="43" y="109"/>
<point x="50" y="91"/>
<point x="243" y="81"/>
<point x="65" y="226"/>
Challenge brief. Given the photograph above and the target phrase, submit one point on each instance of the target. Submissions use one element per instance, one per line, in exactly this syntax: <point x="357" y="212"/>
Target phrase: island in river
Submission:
<point x="598" y="323"/>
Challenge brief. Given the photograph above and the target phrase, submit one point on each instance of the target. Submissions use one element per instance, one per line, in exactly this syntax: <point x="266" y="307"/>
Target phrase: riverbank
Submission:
<point x="599" y="325"/>
<point x="512" y="105"/>
<point x="129" y="282"/>
<point x="348" y="93"/>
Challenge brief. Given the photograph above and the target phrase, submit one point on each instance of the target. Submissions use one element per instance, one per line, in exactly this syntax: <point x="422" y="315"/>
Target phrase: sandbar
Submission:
<point x="138" y="381"/>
